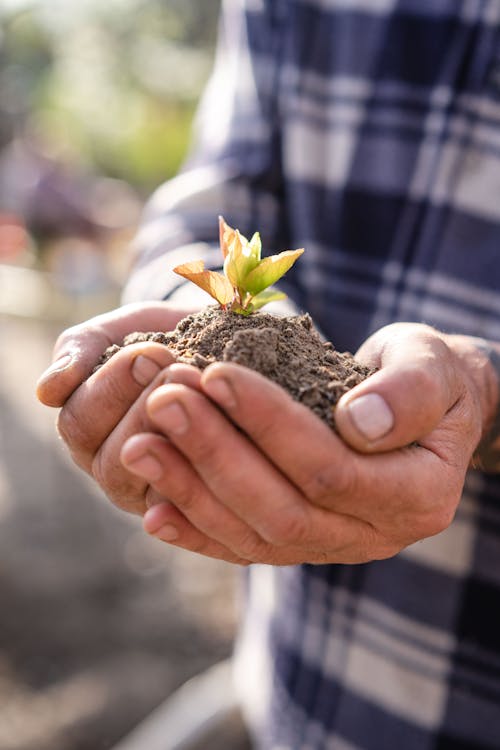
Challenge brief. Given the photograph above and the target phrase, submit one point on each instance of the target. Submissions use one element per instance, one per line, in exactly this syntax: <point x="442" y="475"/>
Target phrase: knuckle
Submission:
<point x="124" y="490"/>
<point x="348" y="482"/>
<point x="251" y="547"/>
<point x="283" y="529"/>
<point x="112" y="482"/>
<point x="382" y="552"/>
<point x="426" y="525"/>
<point x="432" y="385"/>
<point x="70" y="428"/>
<point x="318" y="485"/>
<point x="328" y="481"/>
<point x="100" y="470"/>
<point x="424" y="380"/>
<point x="74" y="337"/>
<point x="190" y="497"/>
<point x="208" y="454"/>
<point x="264" y="431"/>
<point x="186" y="499"/>
<point x="439" y="521"/>
<point x="67" y="337"/>
<point x="206" y="451"/>
<point x="268" y="430"/>
<point x="112" y="390"/>
<point x="205" y="547"/>
<point x="197" y="543"/>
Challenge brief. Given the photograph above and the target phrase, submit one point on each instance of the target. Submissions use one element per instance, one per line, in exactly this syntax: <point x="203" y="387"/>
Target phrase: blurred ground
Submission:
<point x="98" y="622"/>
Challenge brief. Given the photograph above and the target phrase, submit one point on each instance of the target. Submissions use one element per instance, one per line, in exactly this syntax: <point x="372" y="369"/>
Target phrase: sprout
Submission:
<point x="244" y="286"/>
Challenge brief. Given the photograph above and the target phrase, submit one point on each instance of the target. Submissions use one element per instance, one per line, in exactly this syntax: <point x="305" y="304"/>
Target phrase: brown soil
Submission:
<point x="287" y="350"/>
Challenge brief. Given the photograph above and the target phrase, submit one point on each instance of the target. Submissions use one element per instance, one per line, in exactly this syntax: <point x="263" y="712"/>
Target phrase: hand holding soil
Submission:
<point x="252" y="476"/>
<point x="236" y="466"/>
<point x="256" y="476"/>
<point x="101" y="410"/>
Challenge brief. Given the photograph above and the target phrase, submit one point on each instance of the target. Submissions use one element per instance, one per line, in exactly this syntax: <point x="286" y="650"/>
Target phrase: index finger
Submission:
<point x="95" y="409"/>
<point x="300" y="444"/>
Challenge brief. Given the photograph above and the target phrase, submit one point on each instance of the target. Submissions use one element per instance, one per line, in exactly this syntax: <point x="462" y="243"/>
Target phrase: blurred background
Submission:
<point x="98" y="623"/>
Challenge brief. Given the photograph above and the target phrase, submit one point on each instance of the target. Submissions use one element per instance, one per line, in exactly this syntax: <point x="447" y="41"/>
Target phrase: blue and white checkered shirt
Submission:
<point x="367" y="131"/>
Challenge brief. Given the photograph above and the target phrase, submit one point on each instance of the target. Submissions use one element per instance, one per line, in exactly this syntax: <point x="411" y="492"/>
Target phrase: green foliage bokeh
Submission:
<point x="112" y="86"/>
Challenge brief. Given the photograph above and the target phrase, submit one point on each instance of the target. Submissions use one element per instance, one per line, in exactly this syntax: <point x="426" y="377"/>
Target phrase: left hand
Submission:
<point x="249" y="475"/>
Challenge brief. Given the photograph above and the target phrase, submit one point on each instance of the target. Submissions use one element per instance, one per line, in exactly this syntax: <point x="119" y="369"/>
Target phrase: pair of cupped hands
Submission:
<point x="226" y="464"/>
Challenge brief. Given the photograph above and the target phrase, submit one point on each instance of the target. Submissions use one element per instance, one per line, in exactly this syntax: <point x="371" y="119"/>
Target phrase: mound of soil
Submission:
<point x="287" y="350"/>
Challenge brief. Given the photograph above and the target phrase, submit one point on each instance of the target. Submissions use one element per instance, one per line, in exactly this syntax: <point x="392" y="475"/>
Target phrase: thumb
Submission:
<point x="417" y="383"/>
<point x="78" y="349"/>
<point x="75" y="355"/>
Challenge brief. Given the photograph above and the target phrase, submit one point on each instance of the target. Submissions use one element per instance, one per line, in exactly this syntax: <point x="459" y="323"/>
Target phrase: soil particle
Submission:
<point x="287" y="350"/>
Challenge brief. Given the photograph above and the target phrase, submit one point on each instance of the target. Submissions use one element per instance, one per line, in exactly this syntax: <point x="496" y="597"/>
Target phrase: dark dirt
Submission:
<point x="287" y="350"/>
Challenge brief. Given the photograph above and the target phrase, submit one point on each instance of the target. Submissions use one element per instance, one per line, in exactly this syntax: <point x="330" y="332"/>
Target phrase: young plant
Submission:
<point x="246" y="284"/>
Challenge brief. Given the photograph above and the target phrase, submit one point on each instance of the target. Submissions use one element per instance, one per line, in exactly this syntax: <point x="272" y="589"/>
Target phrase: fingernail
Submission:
<point x="155" y="526"/>
<point x="60" y="364"/>
<point x="167" y="533"/>
<point x="148" y="467"/>
<point x="371" y="416"/>
<point x="221" y="392"/>
<point x="144" y="369"/>
<point x="172" y="418"/>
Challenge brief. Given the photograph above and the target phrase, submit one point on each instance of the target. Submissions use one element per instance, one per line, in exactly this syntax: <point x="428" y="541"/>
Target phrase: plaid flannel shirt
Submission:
<point x="367" y="131"/>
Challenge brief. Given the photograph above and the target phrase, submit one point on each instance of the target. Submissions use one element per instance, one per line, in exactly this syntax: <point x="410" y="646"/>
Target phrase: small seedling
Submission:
<point x="244" y="287"/>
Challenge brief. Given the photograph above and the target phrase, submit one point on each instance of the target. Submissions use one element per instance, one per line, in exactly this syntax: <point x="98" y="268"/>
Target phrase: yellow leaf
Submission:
<point x="226" y="237"/>
<point x="215" y="284"/>
<point x="193" y="267"/>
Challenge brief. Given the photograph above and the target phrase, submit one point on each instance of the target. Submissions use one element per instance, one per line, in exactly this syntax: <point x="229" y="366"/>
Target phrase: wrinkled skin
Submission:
<point x="226" y="464"/>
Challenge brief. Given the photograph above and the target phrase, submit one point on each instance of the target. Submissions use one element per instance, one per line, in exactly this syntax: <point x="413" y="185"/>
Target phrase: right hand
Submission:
<point x="101" y="410"/>
<point x="259" y="478"/>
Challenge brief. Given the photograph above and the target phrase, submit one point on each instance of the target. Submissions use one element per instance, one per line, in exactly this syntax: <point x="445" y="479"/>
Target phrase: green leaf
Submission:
<point x="269" y="295"/>
<point x="269" y="270"/>
<point x="240" y="260"/>
<point x="212" y="282"/>
<point x="255" y="246"/>
<point x="237" y="308"/>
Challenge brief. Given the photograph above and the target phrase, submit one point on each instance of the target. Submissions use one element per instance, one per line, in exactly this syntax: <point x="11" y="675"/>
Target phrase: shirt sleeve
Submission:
<point x="235" y="166"/>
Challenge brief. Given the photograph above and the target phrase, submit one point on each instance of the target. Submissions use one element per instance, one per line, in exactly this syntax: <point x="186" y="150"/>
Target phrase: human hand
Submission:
<point x="252" y="476"/>
<point x="100" y="410"/>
